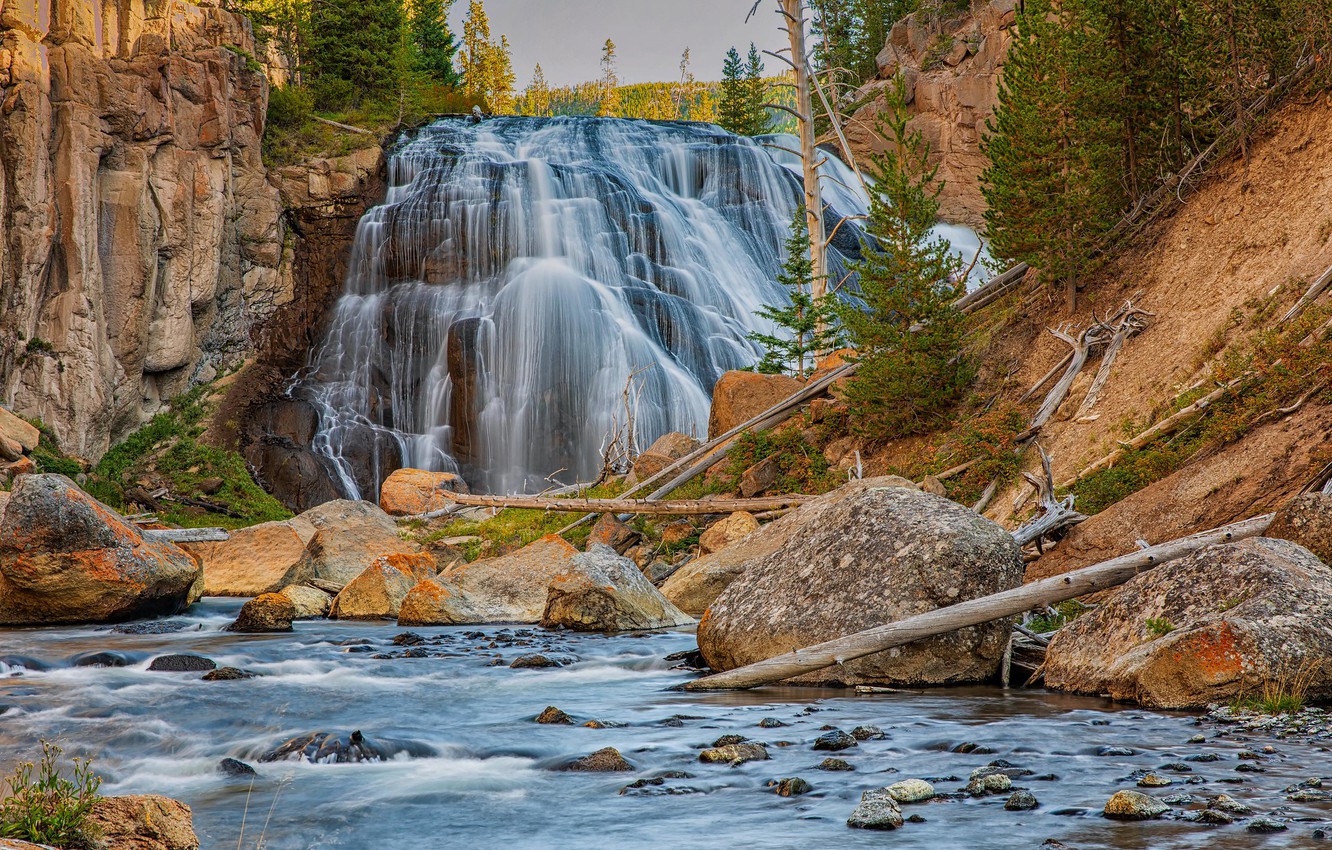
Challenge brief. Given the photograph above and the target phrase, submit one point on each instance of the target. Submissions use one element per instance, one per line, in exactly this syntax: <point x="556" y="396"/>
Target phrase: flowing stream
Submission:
<point x="474" y="771"/>
<point x="523" y="272"/>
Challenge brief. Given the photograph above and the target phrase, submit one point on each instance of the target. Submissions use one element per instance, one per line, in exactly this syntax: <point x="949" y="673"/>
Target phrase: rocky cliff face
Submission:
<point x="142" y="239"/>
<point x="951" y="68"/>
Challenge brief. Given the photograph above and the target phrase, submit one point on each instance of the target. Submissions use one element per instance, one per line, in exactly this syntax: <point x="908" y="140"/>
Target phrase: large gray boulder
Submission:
<point x="67" y="558"/>
<point x="601" y="591"/>
<point x="1306" y="520"/>
<point x="698" y="583"/>
<point x="882" y="554"/>
<point x="1224" y="622"/>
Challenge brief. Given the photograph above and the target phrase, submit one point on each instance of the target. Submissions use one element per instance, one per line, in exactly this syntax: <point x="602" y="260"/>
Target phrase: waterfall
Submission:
<point x="523" y="272"/>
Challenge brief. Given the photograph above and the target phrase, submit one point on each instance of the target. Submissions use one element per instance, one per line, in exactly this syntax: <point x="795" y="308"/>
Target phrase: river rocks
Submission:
<point x="144" y="822"/>
<point x="881" y="555"/>
<point x="792" y="786"/>
<point x="877" y="810"/>
<point x="610" y="531"/>
<point x="1133" y="805"/>
<point x="911" y="791"/>
<point x="308" y="603"/>
<point x="603" y="592"/>
<point x="553" y="716"/>
<point x="740" y="396"/>
<point x="697" y="584"/>
<point x="734" y="754"/>
<point x="993" y="783"/>
<point x="834" y="741"/>
<point x="377" y="593"/>
<point x="723" y="533"/>
<point x="251" y="561"/>
<point x="235" y="768"/>
<point x="67" y="558"/>
<point x="182" y="663"/>
<point x="604" y="760"/>
<point x="330" y="748"/>
<point x="269" y="612"/>
<point x="508" y="589"/>
<point x="407" y="492"/>
<point x="1223" y="621"/>
<point x="835" y="765"/>
<point x="228" y="674"/>
<point x="1021" y="801"/>
<point x="1306" y="520"/>
<point x="350" y="536"/>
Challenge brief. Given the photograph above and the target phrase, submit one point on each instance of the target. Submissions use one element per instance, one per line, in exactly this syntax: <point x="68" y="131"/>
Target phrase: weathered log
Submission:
<point x="991" y="290"/>
<point x="1056" y="514"/>
<point x="348" y="127"/>
<point x="974" y="612"/>
<point x="679" y="507"/>
<point x="1054" y="370"/>
<point x="186" y="535"/>
<point x="1310" y="295"/>
<point x="1131" y="321"/>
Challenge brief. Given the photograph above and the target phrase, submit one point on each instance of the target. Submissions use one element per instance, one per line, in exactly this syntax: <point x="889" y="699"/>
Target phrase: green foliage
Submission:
<point x="740" y="106"/>
<point x="1064" y="613"/>
<point x="353" y="50"/>
<point x="1159" y="626"/>
<point x="801" y="466"/>
<point x="808" y="321"/>
<point x="45" y="807"/>
<point x="289" y="107"/>
<point x="433" y="42"/>
<point x="908" y="337"/>
<point x="487" y="69"/>
<point x="851" y="33"/>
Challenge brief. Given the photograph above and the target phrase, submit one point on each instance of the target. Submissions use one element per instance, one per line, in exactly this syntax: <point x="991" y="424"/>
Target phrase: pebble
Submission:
<point x="835" y="741"/>
<point x="911" y="791"/>
<point x="1133" y="805"/>
<point x="1021" y="801"/>
<point x="877" y="810"/>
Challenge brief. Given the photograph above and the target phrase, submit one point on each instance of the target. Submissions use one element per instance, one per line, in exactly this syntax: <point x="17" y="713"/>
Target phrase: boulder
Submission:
<point x="760" y="477"/>
<point x="377" y="593"/>
<point x="144" y="822"/>
<point x="602" y="592"/>
<point x="665" y="450"/>
<point x="4" y="502"/>
<point x="877" y="810"/>
<point x="67" y="558"/>
<point x="723" y="533"/>
<point x="604" y="760"/>
<point x="407" y="492"/>
<point x="882" y="554"/>
<point x="18" y="431"/>
<point x="308" y="602"/>
<point x="1306" y="520"/>
<point x="740" y="396"/>
<point x="251" y="561"/>
<point x="698" y="583"/>
<point x="610" y="531"/>
<point x="507" y="589"/>
<point x="1134" y="805"/>
<point x="1218" y="624"/>
<point x="269" y="612"/>
<point x="348" y="537"/>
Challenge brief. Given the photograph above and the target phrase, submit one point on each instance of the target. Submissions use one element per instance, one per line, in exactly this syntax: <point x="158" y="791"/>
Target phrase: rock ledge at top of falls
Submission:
<point x="1222" y="622"/>
<point x="67" y="558"/>
<point x="879" y="555"/>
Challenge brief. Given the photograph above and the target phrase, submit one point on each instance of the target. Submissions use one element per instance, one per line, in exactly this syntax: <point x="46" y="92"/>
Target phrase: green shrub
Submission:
<point x="1159" y="627"/>
<point x="45" y="807"/>
<point x="289" y="107"/>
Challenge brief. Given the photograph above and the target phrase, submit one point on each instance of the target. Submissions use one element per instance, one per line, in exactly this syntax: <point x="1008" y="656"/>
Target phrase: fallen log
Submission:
<point x="974" y="612"/>
<point x="186" y="535"/>
<point x="1131" y="321"/>
<point x="679" y="507"/>
<point x="1056" y="514"/>
<point x="1083" y="345"/>
<point x="1310" y="295"/>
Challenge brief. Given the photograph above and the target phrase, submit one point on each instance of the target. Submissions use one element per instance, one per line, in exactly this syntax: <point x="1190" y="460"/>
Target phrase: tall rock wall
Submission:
<point x="951" y="67"/>
<point x="140" y="238"/>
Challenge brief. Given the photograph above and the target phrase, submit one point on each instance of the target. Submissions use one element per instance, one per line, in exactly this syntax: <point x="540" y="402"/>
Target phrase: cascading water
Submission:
<point x="522" y="272"/>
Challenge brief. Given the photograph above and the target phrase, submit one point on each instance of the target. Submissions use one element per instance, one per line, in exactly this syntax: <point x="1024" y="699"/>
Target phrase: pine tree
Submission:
<point x="487" y="67"/>
<point x="536" y="100"/>
<point x="907" y="335"/>
<point x="610" y="83"/>
<point x="756" y="95"/>
<point x="353" y="45"/>
<point x="733" y="106"/>
<point x="500" y="78"/>
<point x="807" y="320"/>
<point x="432" y="39"/>
<point x="1053" y="185"/>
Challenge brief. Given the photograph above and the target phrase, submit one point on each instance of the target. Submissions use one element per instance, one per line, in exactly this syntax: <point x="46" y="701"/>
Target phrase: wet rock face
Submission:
<point x="67" y="558"/>
<point x="881" y="554"/>
<point x="141" y="238"/>
<point x="1206" y="628"/>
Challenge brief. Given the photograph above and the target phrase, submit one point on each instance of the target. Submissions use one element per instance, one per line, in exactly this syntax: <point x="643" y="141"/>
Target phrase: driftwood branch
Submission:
<point x="349" y="128"/>
<point x="1310" y="295"/>
<point x="679" y="507"/>
<point x="1056" y="514"/>
<point x="1131" y="321"/>
<point x="974" y="612"/>
<point x="1083" y="345"/>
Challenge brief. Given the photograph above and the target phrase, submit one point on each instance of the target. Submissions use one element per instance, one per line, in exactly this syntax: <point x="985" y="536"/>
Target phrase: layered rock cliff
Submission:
<point x="142" y="239"/>
<point x="951" y="67"/>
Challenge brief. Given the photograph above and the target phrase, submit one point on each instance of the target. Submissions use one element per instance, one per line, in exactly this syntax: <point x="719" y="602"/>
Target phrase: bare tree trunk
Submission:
<point x="794" y="12"/>
<point x="681" y="507"/>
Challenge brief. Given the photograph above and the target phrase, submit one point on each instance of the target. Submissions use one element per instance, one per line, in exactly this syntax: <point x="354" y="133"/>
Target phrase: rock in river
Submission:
<point x="1133" y="805"/>
<point x="604" y="760"/>
<point x="604" y="592"/>
<point x="67" y="558"/>
<point x="877" y="810"/>
<point x="330" y="748"/>
<point x="734" y="754"/>
<point x="378" y="592"/>
<point x="1223" y="621"/>
<point x="271" y="612"/>
<point x="882" y="554"/>
<point x="183" y="663"/>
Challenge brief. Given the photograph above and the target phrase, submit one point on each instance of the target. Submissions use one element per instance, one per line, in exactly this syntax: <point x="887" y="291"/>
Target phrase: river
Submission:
<point x="481" y="775"/>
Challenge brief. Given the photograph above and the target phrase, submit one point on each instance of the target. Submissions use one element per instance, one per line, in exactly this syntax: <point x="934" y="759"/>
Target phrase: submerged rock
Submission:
<point x="227" y="674"/>
<point x="67" y="558"/>
<point x="552" y="715"/>
<point x="604" y="760"/>
<point x="331" y="748"/>
<point x="182" y="663"/>
<point x="877" y="810"/>
<point x="882" y="554"/>
<point x="1221" y="622"/>
<point x="601" y="591"/>
<point x="835" y="764"/>
<point x="235" y="767"/>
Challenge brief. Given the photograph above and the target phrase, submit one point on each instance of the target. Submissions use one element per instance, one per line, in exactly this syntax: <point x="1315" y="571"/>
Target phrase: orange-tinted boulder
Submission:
<point x="740" y="396"/>
<point x="378" y="592"/>
<point x="508" y="589"/>
<point x="408" y="492"/>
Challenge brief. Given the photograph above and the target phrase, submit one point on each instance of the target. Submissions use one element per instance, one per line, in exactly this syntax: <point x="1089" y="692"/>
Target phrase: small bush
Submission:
<point x="289" y="107"/>
<point x="45" y="807"/>
<point x="333" y="94"/>
<point x="1159" y="627"/>
<point x="801" y="466"/>
<point x="1285" y="692"/>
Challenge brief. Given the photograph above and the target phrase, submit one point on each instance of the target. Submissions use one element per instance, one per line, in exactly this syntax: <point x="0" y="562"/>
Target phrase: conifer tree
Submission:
<point x="907" y="335"/>
<point x="756" y="95"/>
<point x="487" y="67"/>
<point x="536" y="100"/>
<point x="809" y="321"/>
<point x="610" y="83"/>
<point x="353" y="44"/>
<point x="733" y="105"/>
<point x="432" y="39"/>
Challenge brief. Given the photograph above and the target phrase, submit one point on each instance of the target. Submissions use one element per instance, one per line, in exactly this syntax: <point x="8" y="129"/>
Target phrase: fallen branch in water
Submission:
<point x="680" y="507"/>
<point x="974" y="612"/>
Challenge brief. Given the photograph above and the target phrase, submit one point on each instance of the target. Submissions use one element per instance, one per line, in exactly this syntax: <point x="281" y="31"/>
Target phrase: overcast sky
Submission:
<point x="566" y="36"/>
